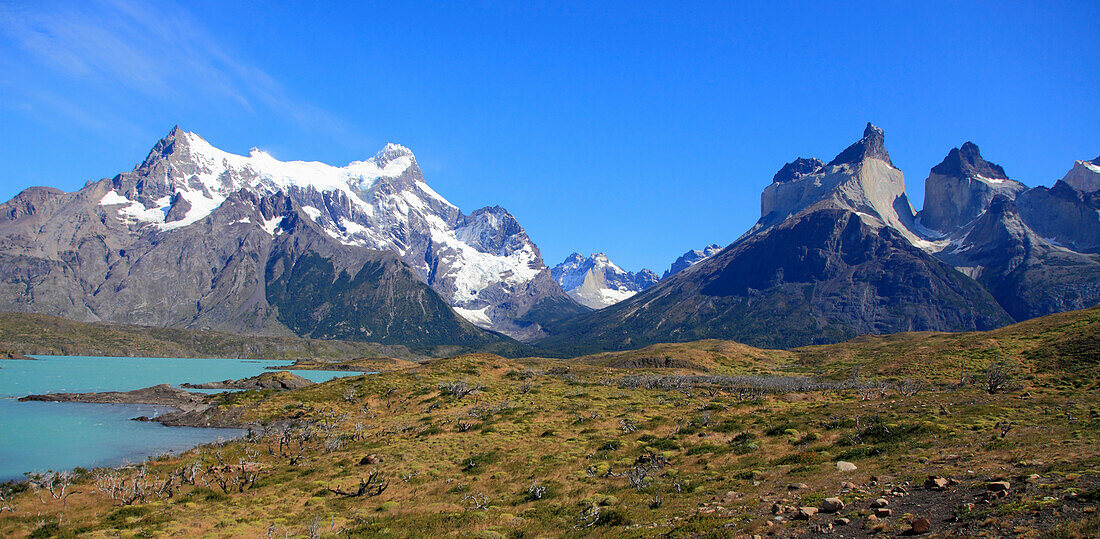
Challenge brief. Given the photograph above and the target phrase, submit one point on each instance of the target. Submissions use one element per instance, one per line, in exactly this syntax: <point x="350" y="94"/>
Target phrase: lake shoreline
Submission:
<point x="191" y="409"/>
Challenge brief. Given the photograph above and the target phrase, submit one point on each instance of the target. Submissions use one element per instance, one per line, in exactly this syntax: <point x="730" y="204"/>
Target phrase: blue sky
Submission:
<point x="637" y="129"/>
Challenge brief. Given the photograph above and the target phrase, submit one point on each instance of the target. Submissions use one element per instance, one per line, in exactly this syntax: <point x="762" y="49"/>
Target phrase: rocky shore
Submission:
<point x="192" y="409"/>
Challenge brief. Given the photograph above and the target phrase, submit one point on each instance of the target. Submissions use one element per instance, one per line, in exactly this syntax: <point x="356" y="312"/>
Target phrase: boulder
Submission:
<point x="998" y="486"/>
<point x="845" y="466"/>
<point x="936" y="483"/>
<point x="883" y="512"/>
<point x="921" y="525"/>
<point x="881" y="502"/>
<point x="832" y="505"/>
<point x="804" y="513"/>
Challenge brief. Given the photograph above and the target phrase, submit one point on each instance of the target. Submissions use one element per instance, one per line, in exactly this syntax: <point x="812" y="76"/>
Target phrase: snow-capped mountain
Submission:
<point x="691" y="258"/>
<point x="483" y="264"/>
<point x="597" y="282"/>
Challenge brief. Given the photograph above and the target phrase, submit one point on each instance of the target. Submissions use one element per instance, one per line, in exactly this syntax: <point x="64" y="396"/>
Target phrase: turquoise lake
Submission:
<point x="40" y="436"/>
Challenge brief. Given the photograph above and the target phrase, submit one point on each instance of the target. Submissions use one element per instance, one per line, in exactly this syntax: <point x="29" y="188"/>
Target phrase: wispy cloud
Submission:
<point x="159" y="51"/>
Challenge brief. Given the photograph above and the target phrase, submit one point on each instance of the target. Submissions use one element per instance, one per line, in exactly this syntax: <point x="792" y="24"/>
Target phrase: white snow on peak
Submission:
<point x="473" y="270"/>
<point x="353" y="205"/>
<point x="358" y="175"/>
<point x="992" y="181"/>
<point x="597" y="282"/>
<point x="1089" y="165"/>
<point x="602" y="261"/>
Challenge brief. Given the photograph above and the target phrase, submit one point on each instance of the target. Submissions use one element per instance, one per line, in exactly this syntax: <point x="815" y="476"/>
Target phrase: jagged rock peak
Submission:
<point x="796" y="169"/>
<point x="967" y="162"/>
<point x="871" y="146"/>
<point x="1084" y="176"/>
<point x="166" y="146"/>
<point x="691" y="258"/>
<point x="963" y="186"/>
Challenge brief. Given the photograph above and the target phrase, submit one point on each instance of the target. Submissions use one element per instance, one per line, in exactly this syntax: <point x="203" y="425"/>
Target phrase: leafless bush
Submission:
<point x="56" y="483"/>
<point x="751" y="385"/>
<point x="238" y="477"/>
<point x="535" y="492"/>
<point x="996" y="379"/>
<point x="485" y="411"/>
<point x="350" y="395"/>
<point x="359" y="431"/>
<point x="294" y="440"/>
<point x="476" y="501"/>
<point x="458" y="388"/>
<point x="130" y="486"/>
<point x="910" y="387"/>
<point x="374" y="484"/>
<point x="6" y="500"/>
<point x="333" y="444"/>
<point x="645" y="466"/>
<point x="188" y="473"/>
<point x="589" y="517"/>
<point x="627" y="425"/>
<point x="462" y="426"/>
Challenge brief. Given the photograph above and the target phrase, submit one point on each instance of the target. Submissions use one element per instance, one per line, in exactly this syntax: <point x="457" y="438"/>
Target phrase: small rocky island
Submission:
<point x="192" y="409"/>
<point x="280" y="381"/>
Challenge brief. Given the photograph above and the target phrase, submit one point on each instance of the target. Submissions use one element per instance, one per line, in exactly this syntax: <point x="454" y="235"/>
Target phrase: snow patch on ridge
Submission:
<point x="112" y="197"/>
<point x="475" y="316"/>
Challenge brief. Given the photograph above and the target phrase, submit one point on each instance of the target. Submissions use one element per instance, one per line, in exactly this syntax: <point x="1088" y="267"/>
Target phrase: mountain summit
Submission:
<point x="961" y="187"/>
<point x="483" y="265"/>
<point x="596" y="282"/>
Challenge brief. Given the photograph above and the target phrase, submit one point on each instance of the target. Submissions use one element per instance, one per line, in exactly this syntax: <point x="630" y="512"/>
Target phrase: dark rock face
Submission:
<point x="871" y="146"/>
<point x="967" y="161"/>
<point x="1027" y="275"/>
<point x="796" y="169"/>
<point x="1063" y="214"/>
<point x="823" y="277"/>
<point x="213" y="274"/>
<point x="961" y="187"/>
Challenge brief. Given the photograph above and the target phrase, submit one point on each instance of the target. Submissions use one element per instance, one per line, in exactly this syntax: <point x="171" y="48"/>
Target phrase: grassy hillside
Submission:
<point x="23" y="333"/>
<point x="699" y="439"/>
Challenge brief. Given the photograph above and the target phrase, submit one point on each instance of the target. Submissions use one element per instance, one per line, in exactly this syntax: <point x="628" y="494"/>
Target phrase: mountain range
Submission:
<point x="199" y="238"/>
<point x="838" y="252"/>
<point x="194" y="237"/>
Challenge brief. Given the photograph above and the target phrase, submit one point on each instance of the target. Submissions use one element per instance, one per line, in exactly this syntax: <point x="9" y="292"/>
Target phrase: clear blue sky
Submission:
<point x="637" y="129"/>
